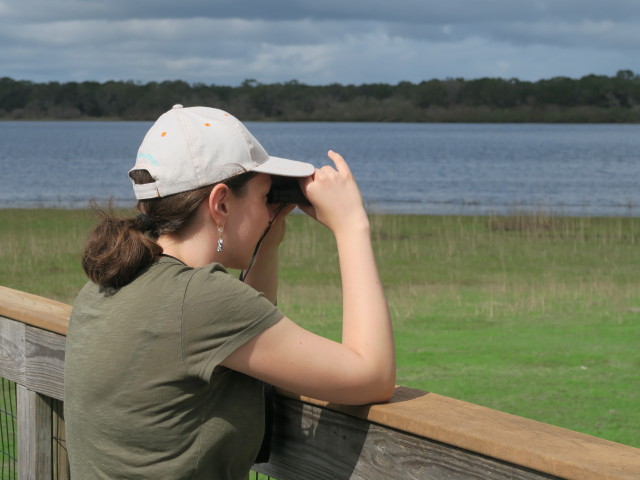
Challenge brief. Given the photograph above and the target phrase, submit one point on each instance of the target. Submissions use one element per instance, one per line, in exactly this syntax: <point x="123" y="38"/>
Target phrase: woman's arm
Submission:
<point x="263" y="274"/>
<point x="361" y="369"/>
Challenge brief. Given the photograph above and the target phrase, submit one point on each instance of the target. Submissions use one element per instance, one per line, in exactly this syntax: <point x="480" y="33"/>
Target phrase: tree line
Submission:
<point x="592" y="98"/>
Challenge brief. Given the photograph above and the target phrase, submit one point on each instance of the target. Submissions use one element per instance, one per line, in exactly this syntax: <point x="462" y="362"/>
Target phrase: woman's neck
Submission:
<point x="194" y="245"/>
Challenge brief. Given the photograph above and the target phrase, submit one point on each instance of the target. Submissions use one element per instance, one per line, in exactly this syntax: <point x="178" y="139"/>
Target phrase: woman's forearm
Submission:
<point x="263" y="274"/>
<point x="366" y="321"/>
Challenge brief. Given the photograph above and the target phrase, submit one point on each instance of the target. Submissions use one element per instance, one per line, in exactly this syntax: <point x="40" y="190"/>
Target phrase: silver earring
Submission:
<point x="220" y="239"/>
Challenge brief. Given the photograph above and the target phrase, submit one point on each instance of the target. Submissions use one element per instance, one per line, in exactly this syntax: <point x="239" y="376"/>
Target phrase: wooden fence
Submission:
<point x="417" y="435"/>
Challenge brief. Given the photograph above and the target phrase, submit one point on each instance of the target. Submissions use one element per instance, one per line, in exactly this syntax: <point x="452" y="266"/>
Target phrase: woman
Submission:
<point x="166" y="352"/>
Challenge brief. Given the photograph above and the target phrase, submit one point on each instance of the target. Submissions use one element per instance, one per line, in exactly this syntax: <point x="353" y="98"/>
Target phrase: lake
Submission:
<point x="401" y="168"/>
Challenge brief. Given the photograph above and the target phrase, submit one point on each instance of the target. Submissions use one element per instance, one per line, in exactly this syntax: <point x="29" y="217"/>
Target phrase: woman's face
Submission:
<point x="249" y="216"/>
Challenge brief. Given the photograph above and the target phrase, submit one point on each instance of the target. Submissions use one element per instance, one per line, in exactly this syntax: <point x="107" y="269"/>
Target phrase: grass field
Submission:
<point x="534" y="315"/>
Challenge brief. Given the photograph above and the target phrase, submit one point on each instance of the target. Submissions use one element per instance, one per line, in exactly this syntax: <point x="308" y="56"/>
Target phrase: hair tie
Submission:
<point x="146" y="222"/>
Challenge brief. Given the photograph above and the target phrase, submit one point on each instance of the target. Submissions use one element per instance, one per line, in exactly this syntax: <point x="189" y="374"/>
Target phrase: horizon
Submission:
<point x="256" y="82"/>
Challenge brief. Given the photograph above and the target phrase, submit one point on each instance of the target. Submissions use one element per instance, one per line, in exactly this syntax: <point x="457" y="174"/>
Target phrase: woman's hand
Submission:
<point x="263" y="275"/>
<point x="334" y="195"/>
<point x="276" y="233"/>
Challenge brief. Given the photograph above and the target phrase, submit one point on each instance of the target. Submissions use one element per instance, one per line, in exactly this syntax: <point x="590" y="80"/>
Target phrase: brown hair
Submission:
<point x="118" y="248"/>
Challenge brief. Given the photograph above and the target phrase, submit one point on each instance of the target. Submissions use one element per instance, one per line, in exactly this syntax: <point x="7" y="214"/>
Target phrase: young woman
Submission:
<point x="167" y="353"/>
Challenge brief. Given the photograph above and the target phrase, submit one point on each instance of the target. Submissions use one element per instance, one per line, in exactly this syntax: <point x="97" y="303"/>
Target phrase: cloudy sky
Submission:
<point x="315" y="42"/>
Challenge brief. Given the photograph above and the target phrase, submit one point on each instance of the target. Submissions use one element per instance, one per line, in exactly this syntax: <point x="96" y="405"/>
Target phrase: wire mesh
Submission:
<point x="8" y="440"/>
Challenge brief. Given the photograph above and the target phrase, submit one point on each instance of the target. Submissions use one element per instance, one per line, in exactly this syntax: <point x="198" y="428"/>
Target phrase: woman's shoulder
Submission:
<point x="216" y="276"/>
<point x="170" y="269"/>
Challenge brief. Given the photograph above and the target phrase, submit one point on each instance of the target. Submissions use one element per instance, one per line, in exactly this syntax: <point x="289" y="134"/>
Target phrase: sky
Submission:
<point x="318" y="42"/>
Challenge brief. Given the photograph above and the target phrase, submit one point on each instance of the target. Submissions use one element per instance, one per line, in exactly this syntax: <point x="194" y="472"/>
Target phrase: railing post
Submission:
<point x="34" y="435"/>
<point x="60" y="458"/>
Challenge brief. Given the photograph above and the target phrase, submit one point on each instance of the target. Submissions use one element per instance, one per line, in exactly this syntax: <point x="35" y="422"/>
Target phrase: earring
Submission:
<point x="220" y="241"/>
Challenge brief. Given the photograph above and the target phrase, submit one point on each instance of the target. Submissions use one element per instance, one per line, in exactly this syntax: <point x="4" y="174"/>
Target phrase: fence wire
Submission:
<point x="8" y="440"/>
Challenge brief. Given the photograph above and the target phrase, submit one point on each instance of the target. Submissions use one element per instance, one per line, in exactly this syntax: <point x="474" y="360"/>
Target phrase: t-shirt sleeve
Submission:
<point x="220" y="314"/>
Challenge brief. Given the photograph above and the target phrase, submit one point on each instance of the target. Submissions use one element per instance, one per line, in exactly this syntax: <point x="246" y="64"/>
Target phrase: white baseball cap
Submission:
<point x="188" y="148"/>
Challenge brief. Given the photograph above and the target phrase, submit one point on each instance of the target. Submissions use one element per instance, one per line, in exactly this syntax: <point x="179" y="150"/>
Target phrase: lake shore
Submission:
<point x="529" y="314"/>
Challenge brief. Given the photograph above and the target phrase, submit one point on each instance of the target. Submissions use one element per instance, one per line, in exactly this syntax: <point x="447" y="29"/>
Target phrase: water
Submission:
<point x="401" y="168"/>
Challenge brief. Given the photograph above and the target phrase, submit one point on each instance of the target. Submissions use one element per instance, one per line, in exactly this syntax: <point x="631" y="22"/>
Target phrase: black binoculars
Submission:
<point x="286" y="190"/>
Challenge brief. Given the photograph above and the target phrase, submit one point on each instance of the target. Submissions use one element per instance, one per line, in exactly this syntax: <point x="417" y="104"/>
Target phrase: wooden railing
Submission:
<point x="417" y="435"/>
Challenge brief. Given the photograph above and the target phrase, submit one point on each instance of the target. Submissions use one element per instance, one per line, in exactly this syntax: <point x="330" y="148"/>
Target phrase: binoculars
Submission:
<point x="286" y="190"/>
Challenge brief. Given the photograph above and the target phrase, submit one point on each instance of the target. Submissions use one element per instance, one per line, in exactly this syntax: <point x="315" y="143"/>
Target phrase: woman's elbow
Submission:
<point x="386" y="389"/>
<point x="377" y="388"/>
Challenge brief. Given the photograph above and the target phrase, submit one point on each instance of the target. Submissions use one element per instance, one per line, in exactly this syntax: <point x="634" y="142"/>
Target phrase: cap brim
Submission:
<point x="285" y="168"/>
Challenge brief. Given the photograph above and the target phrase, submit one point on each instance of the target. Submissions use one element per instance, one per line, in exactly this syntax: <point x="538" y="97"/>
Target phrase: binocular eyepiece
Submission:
<point x="286" y="190"/>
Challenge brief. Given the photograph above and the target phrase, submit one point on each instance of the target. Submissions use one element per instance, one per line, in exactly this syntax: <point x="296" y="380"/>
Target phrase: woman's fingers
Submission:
<point x="334" y="194"/>
<point x="309" y="210"/>
<point x="339" y="162"/>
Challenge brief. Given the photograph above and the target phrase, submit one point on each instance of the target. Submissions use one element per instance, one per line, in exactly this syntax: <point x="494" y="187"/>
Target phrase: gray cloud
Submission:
<point x="597" y="34"/>
<point x="408" y="11"/>
<point x="315" y="42"/>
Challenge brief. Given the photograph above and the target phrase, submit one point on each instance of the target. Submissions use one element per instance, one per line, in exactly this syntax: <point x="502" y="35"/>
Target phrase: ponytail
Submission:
<point x="117" y="249"/>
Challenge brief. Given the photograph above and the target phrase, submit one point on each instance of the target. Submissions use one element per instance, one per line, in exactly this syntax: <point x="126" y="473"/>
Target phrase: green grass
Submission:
<point x="535" y="315"/>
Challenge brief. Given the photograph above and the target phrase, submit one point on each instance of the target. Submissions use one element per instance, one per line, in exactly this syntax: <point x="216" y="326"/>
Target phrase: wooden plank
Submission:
<point x="315" y="443"/>
<point x="45" y="353"/>
<point x="34" y="435"/>
<point x="32" y="357"/>
<point x="516" y="440"/>
<point x="34" y="310"/>
<point x="12" y="350"/>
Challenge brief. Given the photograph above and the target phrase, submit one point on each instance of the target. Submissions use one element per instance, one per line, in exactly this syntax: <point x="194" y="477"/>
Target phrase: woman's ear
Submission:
<point x="219" y="203"/>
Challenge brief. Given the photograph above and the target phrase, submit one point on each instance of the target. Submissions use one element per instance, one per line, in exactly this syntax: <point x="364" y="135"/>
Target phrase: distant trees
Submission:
<point x="592" y="98"/>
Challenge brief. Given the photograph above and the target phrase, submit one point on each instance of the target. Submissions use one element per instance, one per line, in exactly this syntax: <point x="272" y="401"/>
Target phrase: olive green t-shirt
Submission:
<point x="142" y="400"/>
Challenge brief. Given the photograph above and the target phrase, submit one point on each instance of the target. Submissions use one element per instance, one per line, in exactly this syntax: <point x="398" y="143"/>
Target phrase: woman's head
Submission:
<point x="186" y="155"/>
<point x="170" y="214"/>
<point x="118" y="248"/>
